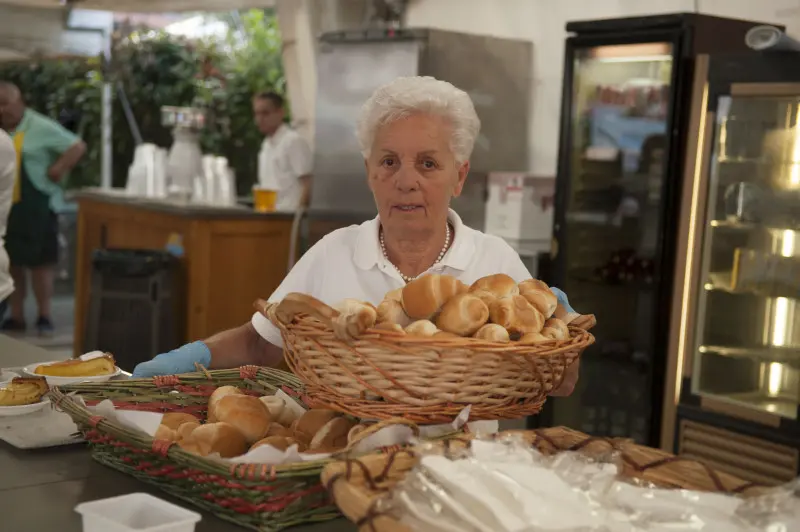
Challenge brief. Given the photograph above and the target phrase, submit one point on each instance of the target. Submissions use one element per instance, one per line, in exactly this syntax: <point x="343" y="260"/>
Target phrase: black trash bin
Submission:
<point x="132" y="305"/>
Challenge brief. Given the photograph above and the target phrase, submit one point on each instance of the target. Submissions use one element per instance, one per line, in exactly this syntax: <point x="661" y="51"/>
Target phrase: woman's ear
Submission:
<point x="463" y="170"/>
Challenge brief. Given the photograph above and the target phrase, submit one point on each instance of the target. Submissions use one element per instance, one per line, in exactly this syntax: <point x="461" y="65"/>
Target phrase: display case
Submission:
<point x="747" y="341"/>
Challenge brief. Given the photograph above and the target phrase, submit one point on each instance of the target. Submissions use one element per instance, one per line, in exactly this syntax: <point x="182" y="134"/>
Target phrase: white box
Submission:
<point x="136" y="512"/>
<point x="519" y="208"/>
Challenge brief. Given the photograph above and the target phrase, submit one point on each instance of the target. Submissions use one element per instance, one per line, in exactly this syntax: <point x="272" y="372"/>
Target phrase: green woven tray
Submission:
<point x="258" y="497"/>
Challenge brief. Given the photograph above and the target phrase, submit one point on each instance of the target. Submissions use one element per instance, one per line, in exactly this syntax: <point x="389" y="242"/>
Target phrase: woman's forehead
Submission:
<point x="417" y="133"/>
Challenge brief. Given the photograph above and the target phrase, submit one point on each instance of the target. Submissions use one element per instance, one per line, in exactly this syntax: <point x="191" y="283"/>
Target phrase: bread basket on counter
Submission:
<point x="383" y="374"/>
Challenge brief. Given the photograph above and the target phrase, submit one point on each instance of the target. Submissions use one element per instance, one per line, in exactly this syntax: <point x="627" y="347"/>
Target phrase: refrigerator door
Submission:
<point x="608" y="233"/>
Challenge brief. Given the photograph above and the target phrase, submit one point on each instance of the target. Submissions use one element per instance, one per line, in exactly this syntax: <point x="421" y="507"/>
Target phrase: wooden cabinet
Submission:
<point x="231" y="256"/>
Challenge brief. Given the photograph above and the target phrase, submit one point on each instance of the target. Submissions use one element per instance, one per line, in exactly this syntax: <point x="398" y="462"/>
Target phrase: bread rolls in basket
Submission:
<point x="432" y="348"/>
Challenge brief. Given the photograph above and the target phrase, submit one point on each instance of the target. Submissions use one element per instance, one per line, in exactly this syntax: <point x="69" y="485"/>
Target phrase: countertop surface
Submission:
<point x="39" y="489"/>
<point x="175" y="206"/>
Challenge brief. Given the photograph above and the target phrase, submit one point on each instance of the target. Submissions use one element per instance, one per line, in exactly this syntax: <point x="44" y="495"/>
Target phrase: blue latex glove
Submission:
<point x="562" y="298"/>
<point x="181" y="360"/>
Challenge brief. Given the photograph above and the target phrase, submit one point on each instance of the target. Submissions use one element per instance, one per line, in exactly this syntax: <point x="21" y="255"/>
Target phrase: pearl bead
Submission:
<point x="408" y="278"/>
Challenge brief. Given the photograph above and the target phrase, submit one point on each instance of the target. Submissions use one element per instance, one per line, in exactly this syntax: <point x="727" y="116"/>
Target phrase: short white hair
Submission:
<point x="420" y="94"/>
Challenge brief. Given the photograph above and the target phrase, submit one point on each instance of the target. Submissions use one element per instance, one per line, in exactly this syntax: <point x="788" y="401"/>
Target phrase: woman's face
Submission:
<point x="413" y="174"/>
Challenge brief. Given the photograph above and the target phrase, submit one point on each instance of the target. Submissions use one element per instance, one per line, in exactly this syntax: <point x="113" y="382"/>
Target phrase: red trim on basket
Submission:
<point x="276" y="504"/>
<point x="248" y="372"/>
<point x="94" y="420"/>
<point x="163" y="381"/>
<point x="161" y="447"/>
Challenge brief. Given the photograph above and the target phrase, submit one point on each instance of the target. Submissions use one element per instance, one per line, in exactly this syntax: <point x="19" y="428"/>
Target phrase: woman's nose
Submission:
<point x="407" y="178"/>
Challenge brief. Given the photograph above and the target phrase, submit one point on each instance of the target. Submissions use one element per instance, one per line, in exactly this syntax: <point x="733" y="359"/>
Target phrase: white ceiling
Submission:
<point x="144" y="6"/>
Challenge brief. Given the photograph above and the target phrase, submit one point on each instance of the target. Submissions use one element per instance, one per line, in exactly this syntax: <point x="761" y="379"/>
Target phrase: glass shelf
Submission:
<point x="747" y="340"/>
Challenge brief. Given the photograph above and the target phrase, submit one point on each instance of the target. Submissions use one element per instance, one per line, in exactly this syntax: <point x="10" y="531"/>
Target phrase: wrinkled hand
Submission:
<point x="181" y="360"/>
<point x="584" y="322"/>
<point x="570" y="380"/>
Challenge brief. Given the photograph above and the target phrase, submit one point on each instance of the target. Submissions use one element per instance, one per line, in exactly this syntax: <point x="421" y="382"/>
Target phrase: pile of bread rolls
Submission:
<point x="238" y="422"/>
<point x="494" y="308"/>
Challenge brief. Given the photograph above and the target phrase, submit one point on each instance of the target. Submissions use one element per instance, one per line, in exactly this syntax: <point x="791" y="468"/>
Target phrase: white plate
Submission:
<point x="6" y="411"/>
<point x="63" y="381"/>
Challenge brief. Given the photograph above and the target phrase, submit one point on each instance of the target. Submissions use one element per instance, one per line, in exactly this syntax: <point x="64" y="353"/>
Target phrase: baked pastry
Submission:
<point x="493" y="332"/>
<point x="462" y="314"/>
<point x="424" y="296"/>
<point x="534" y="338"/>
<point x="422" y="328"/>
<point x="391" y="327"/>
<point x="498" y="285"/>
<point x="185" y="430"/>
<point x="332" y="436"/>
<point x="487" y="297"/>
<point x="23" y="391"/>
<point x="516" y="315"/>
<point x="390" y="310"/>
<point x="213" y="438"/>
<point x="280" y="443"/>
<point x="174" y="420"/>
<point x="556" y="329"/>
<point x="276" y="429"/>
<point x="539" y="295"/>
<point x="163" y="432"/>
<point x="354" y="318"/>
<point x="279" y="411"/>
<point x="218" y="394"/>
<point x="247" y="413"/>
<point x="307" y="426"/>
<point x="76" y="367"/>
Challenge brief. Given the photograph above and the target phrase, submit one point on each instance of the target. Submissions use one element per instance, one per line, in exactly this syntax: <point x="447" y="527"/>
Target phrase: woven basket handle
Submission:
<point x="372" y="429"/>
<point x="293" y="304"/>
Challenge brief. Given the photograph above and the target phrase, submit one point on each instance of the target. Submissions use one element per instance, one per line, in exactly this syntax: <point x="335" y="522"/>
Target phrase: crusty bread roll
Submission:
<point x="424" y="296"/>
<point x="276" y="429"/>
<point x="218" y="394"/>
<point x="391" y="327"/>
<point x="174" y="420"/>
<point x="391" y="311"/>
<point x="354" y="318"/>
<point x="279" y="411"/>
<point x="281" y="443"/>
<point x="516" y="315"/>
<point x="332" y="436"/>
<point x="539" y="295"/>
<point x="247" y="413"/>
<point x="213" y="438"/>
<point x="462" y="314"/>
<point x="487" y="297"/>
<point x="310" y="423"/>
<point x="499" y="285"/>
<point x="422" y="328"/>
<point x="556" y="329"/>
<point x="534" y="338"/>
<point x="163" y="432"/>
<point x="185" y="430"/>
<point x="493" y="332"/>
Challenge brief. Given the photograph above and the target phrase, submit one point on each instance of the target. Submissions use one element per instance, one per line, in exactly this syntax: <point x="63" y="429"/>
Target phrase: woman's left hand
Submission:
<point x="584" y="321"/>
<point x="570" y="380"/>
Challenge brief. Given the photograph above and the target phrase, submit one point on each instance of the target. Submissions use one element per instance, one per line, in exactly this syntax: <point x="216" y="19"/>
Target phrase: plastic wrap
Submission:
<point x="501" y="486"/>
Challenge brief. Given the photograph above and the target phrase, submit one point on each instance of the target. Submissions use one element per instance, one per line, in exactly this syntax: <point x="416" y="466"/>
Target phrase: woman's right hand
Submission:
<point x="181" y="360"/>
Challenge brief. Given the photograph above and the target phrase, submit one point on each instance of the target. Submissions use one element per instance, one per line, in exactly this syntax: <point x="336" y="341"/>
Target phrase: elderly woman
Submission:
<point x="416" y="136"/>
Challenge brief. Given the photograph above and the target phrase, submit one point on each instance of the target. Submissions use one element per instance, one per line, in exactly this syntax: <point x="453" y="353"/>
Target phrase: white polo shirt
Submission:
<point x="284" y="158"/>
<point x="8" y="174"/>
<point x="349" y="263"/>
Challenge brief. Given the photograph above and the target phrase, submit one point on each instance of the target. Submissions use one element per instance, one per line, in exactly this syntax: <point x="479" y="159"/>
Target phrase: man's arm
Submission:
<point x="242" y="346"/>
<point x="67" y="161"/>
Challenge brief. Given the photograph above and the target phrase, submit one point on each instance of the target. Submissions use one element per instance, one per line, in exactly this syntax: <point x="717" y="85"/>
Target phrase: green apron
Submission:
<point x="32" y="231"/>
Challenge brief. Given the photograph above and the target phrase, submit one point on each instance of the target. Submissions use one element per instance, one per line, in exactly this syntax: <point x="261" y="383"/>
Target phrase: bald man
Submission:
<point x="46" y="152"/>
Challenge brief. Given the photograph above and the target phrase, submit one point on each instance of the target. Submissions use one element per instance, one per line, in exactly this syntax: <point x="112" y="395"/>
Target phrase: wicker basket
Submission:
<point x="258" y="497"/>
<point x="384" y="374"/>
<point x="359" y="486"/>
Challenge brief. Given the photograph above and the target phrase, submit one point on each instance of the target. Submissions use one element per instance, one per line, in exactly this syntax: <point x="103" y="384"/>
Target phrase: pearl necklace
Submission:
<point x="408" y="278"/>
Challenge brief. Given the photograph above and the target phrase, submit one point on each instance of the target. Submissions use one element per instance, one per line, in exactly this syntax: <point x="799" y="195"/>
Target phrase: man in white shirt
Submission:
<point x="8" y="174"/>
<point x="285" y="161"/>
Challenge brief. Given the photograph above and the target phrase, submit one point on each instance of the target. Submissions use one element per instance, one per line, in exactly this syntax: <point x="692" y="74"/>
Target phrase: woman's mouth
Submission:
<point x="408" y="208"/>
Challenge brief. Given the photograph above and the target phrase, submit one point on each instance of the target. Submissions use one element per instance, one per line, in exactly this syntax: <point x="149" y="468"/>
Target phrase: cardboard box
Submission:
<point x="519" y="208"/>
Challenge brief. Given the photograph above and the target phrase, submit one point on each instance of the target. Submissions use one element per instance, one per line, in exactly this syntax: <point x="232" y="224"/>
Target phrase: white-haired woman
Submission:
<point x="417" y="135"/>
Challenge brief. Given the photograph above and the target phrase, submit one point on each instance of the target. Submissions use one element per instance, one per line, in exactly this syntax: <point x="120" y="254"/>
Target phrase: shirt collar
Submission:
<point x="276" y="137"/>
<point x="23" y="124"/>
<point x="368" y="251"/>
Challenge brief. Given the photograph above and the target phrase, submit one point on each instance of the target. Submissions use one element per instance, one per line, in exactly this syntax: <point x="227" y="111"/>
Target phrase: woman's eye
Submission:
<point x="429" y="164"/>
<point x="389" y="162"/>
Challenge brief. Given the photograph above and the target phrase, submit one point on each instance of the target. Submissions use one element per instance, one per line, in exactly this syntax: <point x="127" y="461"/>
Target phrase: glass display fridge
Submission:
<point x="737" y="348"/>
<point x="622" y="150"/>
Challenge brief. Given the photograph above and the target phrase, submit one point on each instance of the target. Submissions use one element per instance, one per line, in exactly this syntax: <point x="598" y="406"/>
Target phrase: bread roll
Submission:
<point x="185" y="430"/>
<point x="163" y="432"/>
<point x="248" y="414"/>
<point x="310" y="423"/>
<point x="276" y="429"/>
<point x="390" y="311"/>
<point x="445" y="334"/>
<point x="422" y="328"/>
<point x="213" y="438"/>
<point x="277" y="408"/>
<point x="218" y="394"/>
<point x="354" y="318"/>
<point x="174" y="420"/>
<point x="281" y="443"/>
<point x="332" y="436"/>
<point x="391" y="327"/>
<point x="499" y="285"/>
<point x="516" y="315"/>
<point x="487" y="297"/>
<point x="534" y="338"/>
<point x="539" y="295"/>
<point x="424" y="296"/>
<point x="462" y="314"/>
<point x="493" y="332"/>
<point x="556" y="329"/>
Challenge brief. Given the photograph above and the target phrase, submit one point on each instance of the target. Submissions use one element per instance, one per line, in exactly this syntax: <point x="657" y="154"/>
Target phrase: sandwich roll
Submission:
<point x="332" y="436"/>
<point x="213" y="438"/>
<point x="463" y="314"/>
<point x="422" y="328"/>
<point x="499" y="285"/>
<point x="174" y="420"/>
<point x="423" y="297"/>
<point x="534" y="338"/>
<point x="539" y="295"/>
<point x="311" y="422"/>
<point x="492" y="332"/>
<point x="354" y="318"/>
<point x="246" y="413"/>
<point x="516" y="315"/>
<point x="218" y="394"/>
<point x="556" y="329"/>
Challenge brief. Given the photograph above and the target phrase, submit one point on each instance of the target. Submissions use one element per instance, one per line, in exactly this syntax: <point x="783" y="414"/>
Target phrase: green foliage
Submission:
<point x="157" y="69"/>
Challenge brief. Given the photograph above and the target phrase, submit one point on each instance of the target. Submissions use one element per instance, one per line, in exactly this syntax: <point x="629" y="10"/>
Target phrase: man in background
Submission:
<point x="285" y="161"/>
<point x="46" y="152"/>
<point x="8" y="175"/>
